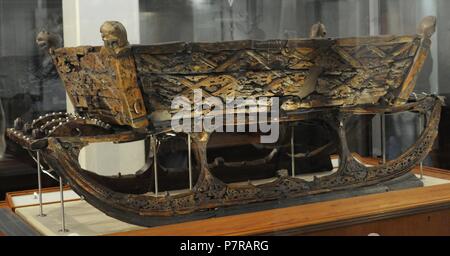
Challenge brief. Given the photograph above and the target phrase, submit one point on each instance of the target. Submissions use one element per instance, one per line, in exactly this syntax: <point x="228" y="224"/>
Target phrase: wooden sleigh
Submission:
<point x="123" y="93"/>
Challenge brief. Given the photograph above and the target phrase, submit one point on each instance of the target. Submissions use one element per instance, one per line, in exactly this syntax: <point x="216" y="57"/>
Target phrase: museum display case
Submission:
<point x="161" y="113"/>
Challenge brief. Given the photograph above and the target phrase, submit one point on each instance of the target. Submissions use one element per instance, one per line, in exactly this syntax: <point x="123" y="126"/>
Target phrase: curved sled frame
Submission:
<point x="211" y="193"/>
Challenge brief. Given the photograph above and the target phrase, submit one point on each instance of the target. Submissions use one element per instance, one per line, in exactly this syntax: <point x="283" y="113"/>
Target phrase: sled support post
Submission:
<point x="383" y="136"/>
<point x="39" y="172"/>
<point x="155" y="162"/>
<point x="189" y="160"/>
<point x="293" y="151"/>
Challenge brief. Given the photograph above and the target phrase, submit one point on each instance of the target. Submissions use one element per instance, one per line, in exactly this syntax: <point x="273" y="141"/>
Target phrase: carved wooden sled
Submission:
<point x="123" y="93"/>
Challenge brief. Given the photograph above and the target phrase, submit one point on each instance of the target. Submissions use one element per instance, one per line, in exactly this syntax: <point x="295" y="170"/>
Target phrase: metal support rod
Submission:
<point x="383" y="136"/>
<point x="38" y="161"/>
<point x="190" y="161"/>
<point x="292" y="152"/>
<point x="421" y="128"/>
<point x="155" y="164"/>
<point x="47" y="172"/>
<point x="63" y="216"/>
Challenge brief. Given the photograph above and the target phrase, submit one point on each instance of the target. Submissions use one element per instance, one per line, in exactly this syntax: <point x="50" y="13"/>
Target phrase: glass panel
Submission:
<point x="29" y="83"/>
<point x="227" y="20"/>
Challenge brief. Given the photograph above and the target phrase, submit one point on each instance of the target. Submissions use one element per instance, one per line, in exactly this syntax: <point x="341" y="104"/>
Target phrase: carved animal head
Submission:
<point x="427" y="26"/>
<point x="114" y="36"/>
<point x="318" y="30"/>
<point x="47" y="41"/>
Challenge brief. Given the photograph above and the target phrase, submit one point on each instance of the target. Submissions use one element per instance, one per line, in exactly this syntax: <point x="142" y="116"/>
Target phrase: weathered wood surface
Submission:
<point x="307" y="74"/>
<point x="118" y="86"/>
<point x="101" y="85"/>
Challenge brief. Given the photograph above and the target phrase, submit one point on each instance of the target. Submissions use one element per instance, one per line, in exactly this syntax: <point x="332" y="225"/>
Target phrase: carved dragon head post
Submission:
<point x="427" y="26"/>
<point x="318" y="30"/>
<point x="115" y="39"/>
<point x="47" y="41"/>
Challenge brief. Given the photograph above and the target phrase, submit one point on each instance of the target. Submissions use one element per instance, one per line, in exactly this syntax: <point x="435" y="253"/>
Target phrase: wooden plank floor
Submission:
<point x="280" y="221"/>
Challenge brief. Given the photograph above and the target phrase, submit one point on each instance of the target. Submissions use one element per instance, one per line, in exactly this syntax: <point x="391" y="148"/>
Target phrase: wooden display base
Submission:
<point x="82" y="219"/>
<point x="418" y="211"/>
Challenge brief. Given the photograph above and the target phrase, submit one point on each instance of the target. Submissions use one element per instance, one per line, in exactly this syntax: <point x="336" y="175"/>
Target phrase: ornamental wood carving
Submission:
<point x="124" y="92"/>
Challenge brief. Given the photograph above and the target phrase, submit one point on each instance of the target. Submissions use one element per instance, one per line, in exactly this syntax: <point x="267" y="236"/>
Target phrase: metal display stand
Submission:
<point x="155" y="162"/>
<point x="41" y="208"/>
<point x="63" y="216"/>
<point x="61" y="191"/>
<point x="383" y="136"/>
<point x="421" y="128"/>
<point x="293" y="151"/>
<point x="190" y="160"/>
